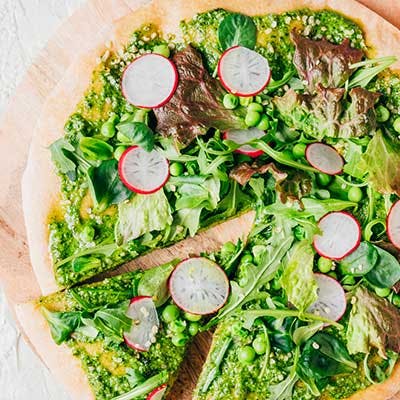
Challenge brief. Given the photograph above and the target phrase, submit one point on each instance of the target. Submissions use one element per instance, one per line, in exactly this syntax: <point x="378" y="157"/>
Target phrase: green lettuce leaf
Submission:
<point x="142" y="214"/>
<point x="322" y="62"/>
<point x="373" y="323"/>
<point x="382" y="162"/>
<point x="298" y="279"/>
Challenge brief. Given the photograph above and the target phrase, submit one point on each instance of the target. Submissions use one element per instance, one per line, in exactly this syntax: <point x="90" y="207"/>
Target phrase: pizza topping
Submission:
<point x="197" y="103"/>
<point x="321" y="62"/>
<point x="393" y="224"/>
<point x="340" y="235"/>
<point x="243" y="72"/>
<point x="199" y="286"/>
<point x="158" y="393"/>
<point x="324" y="158"/>
<point x="149" y="81"/>
<point x="241" y="136"/>
<point x="143" y="172"/>
<point x="331" y="301"/>
<point x="145" y="323"/>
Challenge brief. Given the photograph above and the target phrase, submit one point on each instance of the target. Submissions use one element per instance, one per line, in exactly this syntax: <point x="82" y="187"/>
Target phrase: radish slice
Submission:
<point x="331" y="302"/>
<point x="149" y="81"/>
<point x="145" y="323"/>
<point x="157" y="393"/>
<point x="341" y="235"/>
<point x="199" y="286"/>
<point x="324" y="158"/>
<point x="142" y="171"/>
<point x="240" y="136"/>
<point x="243" y="72"/>
<point x="393" y="224"/>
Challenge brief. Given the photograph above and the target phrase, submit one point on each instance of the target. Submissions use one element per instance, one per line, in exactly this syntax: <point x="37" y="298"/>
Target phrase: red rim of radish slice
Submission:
<point x="393" y="224"/>
<point x="149" y="81"/>
<point x="341" y="235"/>
<point x="199" y="286"/>
<point x="157" y="393"/>
<point x="324" y="158"/>
<point x="145" y="324"/>
<point x="143" y="172"/>
<point x="331" y="302"/>
<point x="243" y="72"/>
<point x="240" y="136"/>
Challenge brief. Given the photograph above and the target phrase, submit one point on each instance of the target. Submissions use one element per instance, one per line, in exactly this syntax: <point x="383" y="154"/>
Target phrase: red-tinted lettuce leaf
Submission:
<point x="382" y="162"/>
<point x="291" y="185"/>
<point x="321" y="62"/>
<point x="196" y="105"/>
<point x="374" y="323"/>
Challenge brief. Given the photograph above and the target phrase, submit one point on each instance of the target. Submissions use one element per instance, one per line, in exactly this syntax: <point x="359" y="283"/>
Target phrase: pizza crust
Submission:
<point x="40" y="185"/>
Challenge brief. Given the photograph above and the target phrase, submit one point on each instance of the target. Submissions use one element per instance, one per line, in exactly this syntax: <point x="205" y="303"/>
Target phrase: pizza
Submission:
<point x="282" y="119"/>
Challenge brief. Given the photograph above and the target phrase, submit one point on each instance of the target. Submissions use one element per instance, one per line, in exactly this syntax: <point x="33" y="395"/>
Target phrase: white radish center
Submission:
<point x="240" y="136"/>
<point x="394" y="224"/>
<point x="325" y="158"/>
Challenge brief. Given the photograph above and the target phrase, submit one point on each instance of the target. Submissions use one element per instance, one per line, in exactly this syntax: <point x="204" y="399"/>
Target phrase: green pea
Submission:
<point x="119" y="151"/>
<point x="324" y="264"/>
<point x="108" y="130"/>
<point x="349" y="280"/>
<point x="382" y="113"/>
<point x="192" y="317"/>
<point x="162" y="49"/>
<point x="252" y="118"/>
<point x="177" y="326"/>
<point x="179" y="339"/>
<point x="355" y="194"/>
<point x="245" y="101"/>
<point x="396" y="125"/>
<point x="176" y="169"/>
<point x="396" y="300"/>
<point x="246" y="259"/>
<point x="255" y="107"/>
<point x="299" y="150"/>
<point x="276" y="284"/>
<point x="170" y="313"/>
<point x="263" y="125"/>
<point x="323" y="194"/>
<point x="246" y="354"/>
<point x="230" y="101"/>
<point x="227" y="249"/>
<point x="260" y="345"/>
<point x="323" y="179"/>
<point x="194" y="328"/>
<point x="382" y="292"/>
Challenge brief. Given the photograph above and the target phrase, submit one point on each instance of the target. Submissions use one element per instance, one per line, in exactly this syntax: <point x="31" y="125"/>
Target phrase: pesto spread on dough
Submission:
<point x="321" y="143"/>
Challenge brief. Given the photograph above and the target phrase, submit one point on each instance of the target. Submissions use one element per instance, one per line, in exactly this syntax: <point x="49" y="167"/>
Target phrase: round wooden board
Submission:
<point x="16" y="127"/>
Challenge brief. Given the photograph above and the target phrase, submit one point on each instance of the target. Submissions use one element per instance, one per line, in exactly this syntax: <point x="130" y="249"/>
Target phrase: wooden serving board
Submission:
<point x="16" y="127"/>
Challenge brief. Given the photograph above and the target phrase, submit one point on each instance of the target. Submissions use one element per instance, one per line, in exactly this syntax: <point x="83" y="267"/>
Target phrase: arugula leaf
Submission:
<point x="142" y="214"/>
<point x="382" y="162"/>
<point x="237" y="30"/>
<point x="298" y="278"/>
<point x="321" y="62"/>
<point x="154" y="282"/>
<point x="113" y="322"/>
<point x="144" y="388"/>
<point x="373" y="323"/>
<point x="62" y="324"/>
<point x="386" y="272"/>
<point x="105" y="185"/>
<point x="62" y="156"/>
<point x="95" y="149"/>
<point x="86" y="263"/>
<point x="136" y="133"/>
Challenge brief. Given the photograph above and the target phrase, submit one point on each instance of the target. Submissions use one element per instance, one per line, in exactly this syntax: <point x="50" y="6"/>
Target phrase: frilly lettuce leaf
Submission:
<point x="382" y="162"/>
<point x="321" y="62"/>
<point x="373" y="323"/>
<point x="196" y="105"/>
<point x="298" y="279"/>
<point x="142" y="214"/>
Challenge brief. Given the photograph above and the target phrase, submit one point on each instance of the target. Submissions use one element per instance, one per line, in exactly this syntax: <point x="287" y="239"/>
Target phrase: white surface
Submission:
<point x="25" y="26"/>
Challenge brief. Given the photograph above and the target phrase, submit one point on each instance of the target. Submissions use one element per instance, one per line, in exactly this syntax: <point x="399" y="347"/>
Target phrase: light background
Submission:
<point x="25" y="27"/>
